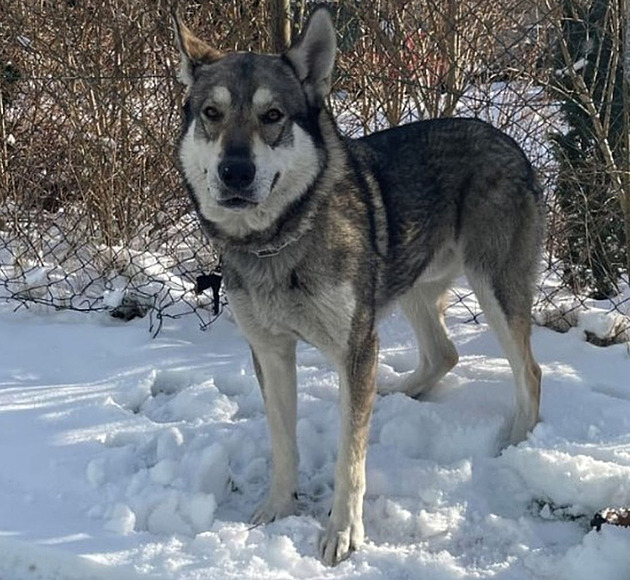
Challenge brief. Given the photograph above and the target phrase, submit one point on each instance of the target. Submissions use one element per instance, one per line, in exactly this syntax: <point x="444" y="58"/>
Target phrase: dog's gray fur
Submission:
<point x="319" y="234"/>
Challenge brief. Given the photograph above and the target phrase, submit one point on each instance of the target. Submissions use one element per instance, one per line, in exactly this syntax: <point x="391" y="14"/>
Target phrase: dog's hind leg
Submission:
<point x="506" y="301"/>
<point x="274" y="363"/>
<point x="423" y="306"/>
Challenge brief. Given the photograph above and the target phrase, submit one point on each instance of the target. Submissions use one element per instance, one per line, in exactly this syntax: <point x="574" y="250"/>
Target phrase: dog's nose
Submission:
<point x="237" y="173"/>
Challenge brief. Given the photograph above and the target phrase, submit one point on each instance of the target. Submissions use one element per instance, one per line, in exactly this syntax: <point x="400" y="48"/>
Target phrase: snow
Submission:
<point x="128" y="456"/>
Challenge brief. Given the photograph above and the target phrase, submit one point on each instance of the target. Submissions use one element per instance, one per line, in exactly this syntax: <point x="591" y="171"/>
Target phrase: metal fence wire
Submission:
<point x="93" y="215"/>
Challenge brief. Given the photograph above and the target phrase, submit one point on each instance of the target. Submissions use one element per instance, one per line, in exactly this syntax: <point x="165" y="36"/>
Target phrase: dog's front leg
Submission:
<point x="357" y="376"/>
<point x="274" y="362"/>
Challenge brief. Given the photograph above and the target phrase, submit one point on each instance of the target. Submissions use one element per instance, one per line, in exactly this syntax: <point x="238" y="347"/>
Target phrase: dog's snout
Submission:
<point x="237" y="173"/>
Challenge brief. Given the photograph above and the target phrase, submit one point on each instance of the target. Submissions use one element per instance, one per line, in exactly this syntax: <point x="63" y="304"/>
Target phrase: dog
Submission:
<point x="320" y="233"/>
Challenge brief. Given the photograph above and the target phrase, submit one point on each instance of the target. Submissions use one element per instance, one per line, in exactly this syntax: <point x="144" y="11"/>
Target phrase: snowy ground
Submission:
<point x="124" y="456"/>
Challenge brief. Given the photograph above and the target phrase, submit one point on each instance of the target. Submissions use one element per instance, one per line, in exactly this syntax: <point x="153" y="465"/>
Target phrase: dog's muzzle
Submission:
<point x="237" y="175"/>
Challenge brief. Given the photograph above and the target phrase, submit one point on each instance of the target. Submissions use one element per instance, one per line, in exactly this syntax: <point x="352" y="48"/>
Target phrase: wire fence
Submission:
<point x="92" y="212"/>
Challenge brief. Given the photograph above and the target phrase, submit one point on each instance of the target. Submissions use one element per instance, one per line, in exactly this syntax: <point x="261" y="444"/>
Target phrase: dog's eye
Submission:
<point x="271" y="116"/>
<point x="212" y="114"/>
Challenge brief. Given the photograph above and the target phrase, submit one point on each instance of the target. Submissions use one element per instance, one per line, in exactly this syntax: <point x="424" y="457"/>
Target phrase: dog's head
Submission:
<point x="251" y="144"/>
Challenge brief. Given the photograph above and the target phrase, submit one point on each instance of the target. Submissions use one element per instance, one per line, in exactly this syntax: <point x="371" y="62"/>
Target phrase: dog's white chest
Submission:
<point x="322" y="318"/>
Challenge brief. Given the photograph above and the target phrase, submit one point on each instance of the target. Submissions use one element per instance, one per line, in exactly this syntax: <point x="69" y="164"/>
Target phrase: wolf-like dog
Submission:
<point x="319" y="234"/>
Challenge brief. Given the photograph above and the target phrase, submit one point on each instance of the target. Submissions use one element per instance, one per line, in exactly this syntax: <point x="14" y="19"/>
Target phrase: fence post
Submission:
<point x="280" y="25"/>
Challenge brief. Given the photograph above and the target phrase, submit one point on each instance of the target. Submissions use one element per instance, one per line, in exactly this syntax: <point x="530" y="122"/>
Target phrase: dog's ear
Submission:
<point x="194" y="52"/>
<point x="313" y="56"/>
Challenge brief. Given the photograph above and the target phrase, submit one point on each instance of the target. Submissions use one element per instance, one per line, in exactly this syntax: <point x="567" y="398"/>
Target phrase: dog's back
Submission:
<point x="446" y="185"/>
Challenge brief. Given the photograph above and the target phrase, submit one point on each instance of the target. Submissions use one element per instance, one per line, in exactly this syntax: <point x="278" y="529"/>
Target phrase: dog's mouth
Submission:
<point x="242" y="200"/>
<point x="237" y="203"/>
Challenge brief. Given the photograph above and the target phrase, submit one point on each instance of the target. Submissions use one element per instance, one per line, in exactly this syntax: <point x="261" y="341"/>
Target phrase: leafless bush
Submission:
<point x="92" y="209"/>
<point x="429" y="53"/>
<point x="594" y="167"/>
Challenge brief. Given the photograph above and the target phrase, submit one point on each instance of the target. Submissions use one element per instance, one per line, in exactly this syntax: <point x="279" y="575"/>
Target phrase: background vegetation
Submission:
<point x="91" y="207"/>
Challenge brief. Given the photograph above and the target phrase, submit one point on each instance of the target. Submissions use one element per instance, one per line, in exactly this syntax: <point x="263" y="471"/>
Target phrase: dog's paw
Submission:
<point x="522" y="425"/>
<point x="338" y="542"/>
<point x="275" y="508"/>
<point x="414" y="385"/>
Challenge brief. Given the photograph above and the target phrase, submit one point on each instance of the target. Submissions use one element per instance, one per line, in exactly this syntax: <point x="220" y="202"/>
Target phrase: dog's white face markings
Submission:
<point x="283" y="173"/>
<point x="262" y="98"/>
<point x="200" y="155"/>
<point x="200" y="158"/>
<point x="221" y="96"/>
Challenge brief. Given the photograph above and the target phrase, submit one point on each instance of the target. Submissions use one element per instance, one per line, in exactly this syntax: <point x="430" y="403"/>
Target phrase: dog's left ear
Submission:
<point x="313" y="56"/>
<point x="194" y="52"/>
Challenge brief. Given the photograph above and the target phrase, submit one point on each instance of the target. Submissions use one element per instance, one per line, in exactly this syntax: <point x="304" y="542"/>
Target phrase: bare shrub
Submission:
<point x="91" y="205"/>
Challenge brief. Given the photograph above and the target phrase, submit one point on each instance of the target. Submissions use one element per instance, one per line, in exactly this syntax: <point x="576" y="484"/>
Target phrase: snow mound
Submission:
<point x="131" y="457"/>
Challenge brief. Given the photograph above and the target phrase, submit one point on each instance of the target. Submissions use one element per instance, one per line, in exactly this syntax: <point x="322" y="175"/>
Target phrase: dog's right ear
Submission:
<point x="194" y="52"/>
<point x="313" y="56"/>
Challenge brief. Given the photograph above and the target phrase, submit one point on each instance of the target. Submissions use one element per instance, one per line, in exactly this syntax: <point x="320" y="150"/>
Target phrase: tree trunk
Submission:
<point x="280" y="25"/>
<point x="625" y="200"/>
